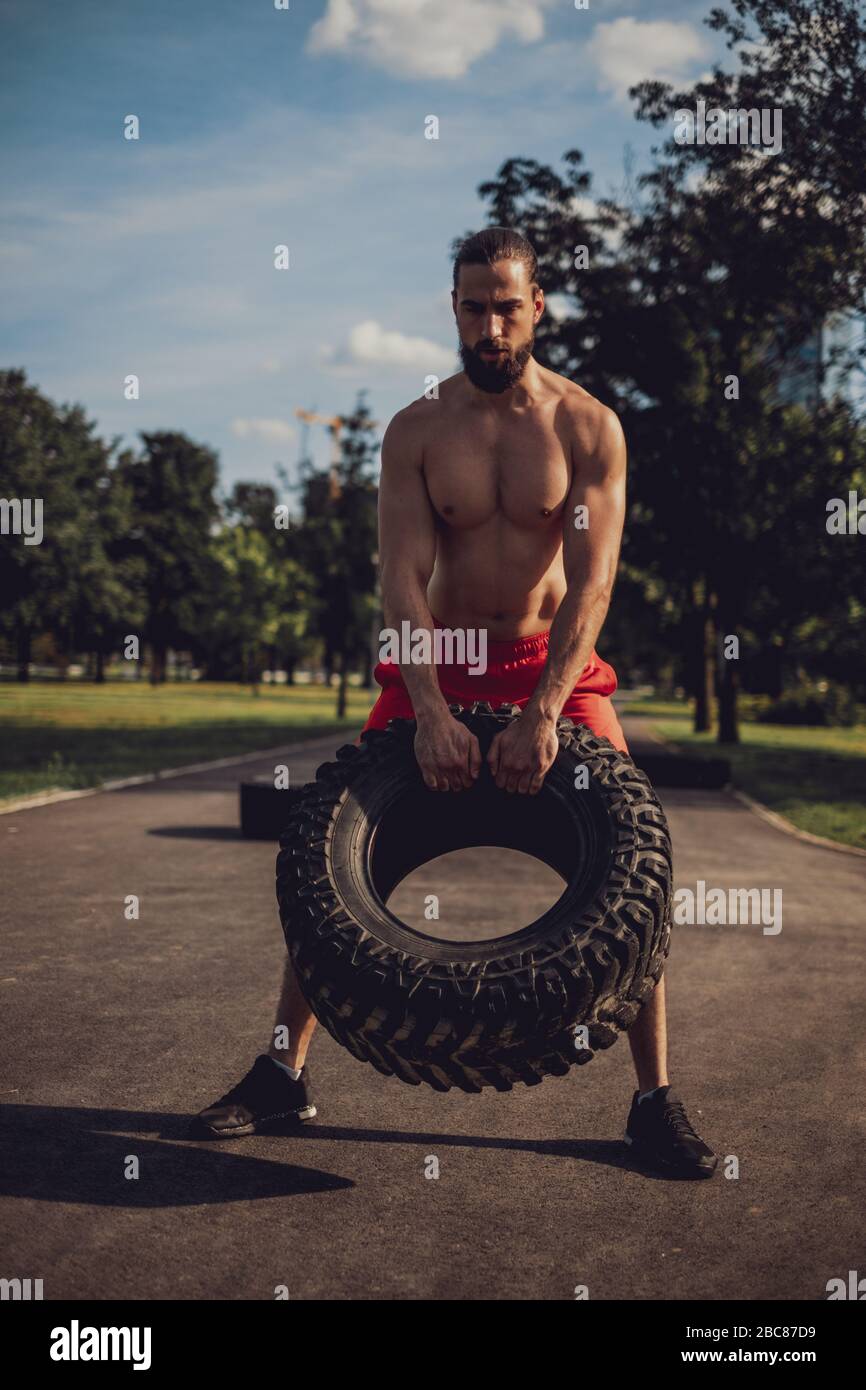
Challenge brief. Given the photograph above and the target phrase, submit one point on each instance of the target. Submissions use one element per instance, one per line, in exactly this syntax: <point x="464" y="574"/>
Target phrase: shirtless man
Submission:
<point x="476" y="531"/>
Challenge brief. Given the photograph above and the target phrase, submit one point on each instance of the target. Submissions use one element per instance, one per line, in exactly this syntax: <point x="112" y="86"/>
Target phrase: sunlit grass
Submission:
<point x="814" y="776"/>
<point x="75" y="735"/>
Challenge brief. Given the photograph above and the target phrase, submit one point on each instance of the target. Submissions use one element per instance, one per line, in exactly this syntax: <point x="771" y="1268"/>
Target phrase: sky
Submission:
<point x="301" y="126"/>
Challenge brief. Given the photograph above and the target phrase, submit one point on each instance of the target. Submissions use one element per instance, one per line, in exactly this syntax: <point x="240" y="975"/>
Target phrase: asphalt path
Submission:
<point x="115" y="1031"/>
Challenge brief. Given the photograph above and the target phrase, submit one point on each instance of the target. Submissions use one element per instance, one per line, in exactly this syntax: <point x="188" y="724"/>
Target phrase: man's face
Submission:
<point x="496" y="313"/>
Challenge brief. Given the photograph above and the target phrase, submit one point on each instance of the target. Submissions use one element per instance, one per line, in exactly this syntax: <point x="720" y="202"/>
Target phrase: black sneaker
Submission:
<point x="266" y="1101"/>
<point x="659" y="1132"/>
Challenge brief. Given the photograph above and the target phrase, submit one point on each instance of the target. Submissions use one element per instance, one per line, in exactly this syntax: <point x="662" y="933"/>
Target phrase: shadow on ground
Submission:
<point x="56" y="1154"/>
<point x="62" y="1154"/>
<point x="197" y="832"/>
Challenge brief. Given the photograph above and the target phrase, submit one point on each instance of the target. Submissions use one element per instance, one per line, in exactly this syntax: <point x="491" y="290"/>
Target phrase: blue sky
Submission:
<point x="305" y="127"/>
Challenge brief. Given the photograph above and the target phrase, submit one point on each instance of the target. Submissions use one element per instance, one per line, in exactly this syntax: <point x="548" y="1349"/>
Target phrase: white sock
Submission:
<point x="294" y="1072"/>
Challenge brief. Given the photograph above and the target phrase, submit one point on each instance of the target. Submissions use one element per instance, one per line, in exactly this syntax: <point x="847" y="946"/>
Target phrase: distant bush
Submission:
<point x="752" y="707"/>
<point x="828" y="704"/>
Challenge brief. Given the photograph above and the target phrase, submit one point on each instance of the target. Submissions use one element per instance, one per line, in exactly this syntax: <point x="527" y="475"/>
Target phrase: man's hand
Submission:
<point x="522" y="754"/>
<point x="447" y="753"/>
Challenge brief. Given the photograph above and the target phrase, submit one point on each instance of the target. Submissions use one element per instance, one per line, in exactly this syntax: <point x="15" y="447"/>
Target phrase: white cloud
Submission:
<point x="369" y="344"/>
<point x="270" y="431"/>
<point x="425" y="38"/>
<point x="627" y="51"/>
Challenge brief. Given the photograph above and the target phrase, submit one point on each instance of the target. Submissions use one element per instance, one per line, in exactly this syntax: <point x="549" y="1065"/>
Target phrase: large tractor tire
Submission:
<point x="471" y="1014"/>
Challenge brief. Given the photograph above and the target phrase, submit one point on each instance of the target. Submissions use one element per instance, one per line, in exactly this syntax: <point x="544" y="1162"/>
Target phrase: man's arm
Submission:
<point x="447" y="754"/>
<point x="407" y="552"/>
<point x="521" y="755"/>
<point x="590" y="555"/>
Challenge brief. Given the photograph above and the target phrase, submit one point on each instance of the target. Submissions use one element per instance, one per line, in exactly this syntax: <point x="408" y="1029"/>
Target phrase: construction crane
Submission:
<point x="335" y="424"/>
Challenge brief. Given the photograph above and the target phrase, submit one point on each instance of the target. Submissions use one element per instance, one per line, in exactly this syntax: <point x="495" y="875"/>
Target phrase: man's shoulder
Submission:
<point x="424" y="412"/>
<point x="593" y="421"/>
<point x="578" y="401"/>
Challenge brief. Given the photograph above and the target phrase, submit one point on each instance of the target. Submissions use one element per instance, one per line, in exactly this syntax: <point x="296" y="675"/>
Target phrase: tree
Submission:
<point x="109" y="594"/>
<point x="247" y="599"/>
<point x="692" y="304"/>
<point x="255" y="505"/>
<point x="783" y="237"/>
<point x="252" y="504"/>
<point x="50" y="454"/>
<point x="174" y="509"/>
<point x="337" y="545"/>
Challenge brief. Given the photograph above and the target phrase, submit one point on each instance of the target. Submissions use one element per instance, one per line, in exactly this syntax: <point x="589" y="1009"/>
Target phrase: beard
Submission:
<point x="501" y="375"/>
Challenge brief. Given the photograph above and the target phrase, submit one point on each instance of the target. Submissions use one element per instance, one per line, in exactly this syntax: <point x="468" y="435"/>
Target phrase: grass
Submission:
<point x="815" y="777"/>
<point x="70" y="735"/>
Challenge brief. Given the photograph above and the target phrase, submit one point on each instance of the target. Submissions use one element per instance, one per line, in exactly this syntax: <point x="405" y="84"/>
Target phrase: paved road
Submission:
<point x="115" y="1030"/>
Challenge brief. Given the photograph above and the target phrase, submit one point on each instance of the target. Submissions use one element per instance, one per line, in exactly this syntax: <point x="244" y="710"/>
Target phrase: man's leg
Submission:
<point x="268" y="1092"/>
<point x="295" y="1015"/>
<point x="657" y="1125"/>
<point x="293" y="1011"/>
<point x="647" y="1036"/>
<point x="648" y="1040"/>
<point x="268" y="1095"/>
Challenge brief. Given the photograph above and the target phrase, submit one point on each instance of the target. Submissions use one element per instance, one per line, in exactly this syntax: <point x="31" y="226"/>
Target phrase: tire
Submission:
<point x="482" y="1013"/>
<point x="264" y="808"/>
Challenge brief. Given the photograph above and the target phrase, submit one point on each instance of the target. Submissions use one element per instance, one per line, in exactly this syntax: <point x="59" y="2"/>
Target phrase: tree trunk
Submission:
<point x="24" y="636"/>
<point x="728" y="723"/>
<point x="290" y="672"/>
<point x="706" y="662"/>
<point x="665" y="680"/>
<point x="341" y="690"/>
<point x="99" y="674"/>
<point x="776" y="680"/>
<point x="706" y="685"/>
<point x="372" y="654"/>
<point x="157" y="663"/>
<point x="370" y="659"/>
<point x="249" y="668"/>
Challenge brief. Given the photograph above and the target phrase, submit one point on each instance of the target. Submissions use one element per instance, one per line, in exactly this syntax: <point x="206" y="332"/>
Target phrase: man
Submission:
<point x="501" y="509"/>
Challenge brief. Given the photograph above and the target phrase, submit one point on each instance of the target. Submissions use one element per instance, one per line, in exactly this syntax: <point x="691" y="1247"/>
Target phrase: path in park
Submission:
<point x="115" y="1031"/>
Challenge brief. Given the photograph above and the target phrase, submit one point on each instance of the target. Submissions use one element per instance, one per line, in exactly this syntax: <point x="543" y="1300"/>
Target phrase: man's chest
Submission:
<point x="520" y="470"/>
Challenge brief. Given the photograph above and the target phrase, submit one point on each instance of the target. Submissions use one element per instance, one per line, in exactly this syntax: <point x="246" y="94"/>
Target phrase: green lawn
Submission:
<point x="815" y="777"/>
<point x="70" y="735"/>
<point x="74" y="735"/>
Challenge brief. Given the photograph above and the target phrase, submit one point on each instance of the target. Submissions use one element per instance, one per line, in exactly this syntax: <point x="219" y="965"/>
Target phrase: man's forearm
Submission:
<point x="573" y="635"/>
<point x="421" y="680"/>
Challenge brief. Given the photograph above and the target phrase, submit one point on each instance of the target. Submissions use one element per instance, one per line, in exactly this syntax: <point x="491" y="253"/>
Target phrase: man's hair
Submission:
<point x="496" y="244"/>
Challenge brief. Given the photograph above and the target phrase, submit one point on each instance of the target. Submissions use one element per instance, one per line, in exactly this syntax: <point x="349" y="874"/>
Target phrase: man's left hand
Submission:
<point x="522" y="754"/>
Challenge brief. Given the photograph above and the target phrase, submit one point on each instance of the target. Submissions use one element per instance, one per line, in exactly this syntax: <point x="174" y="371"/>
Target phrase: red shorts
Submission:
<point x="513" y="671"/>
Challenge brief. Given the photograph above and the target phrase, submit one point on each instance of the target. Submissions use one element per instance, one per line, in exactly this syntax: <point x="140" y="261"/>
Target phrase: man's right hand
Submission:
<point x="447" y="753"/>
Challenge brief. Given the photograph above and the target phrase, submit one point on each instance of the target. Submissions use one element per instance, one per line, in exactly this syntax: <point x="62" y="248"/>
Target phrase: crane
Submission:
<point x="335" y="424"/>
